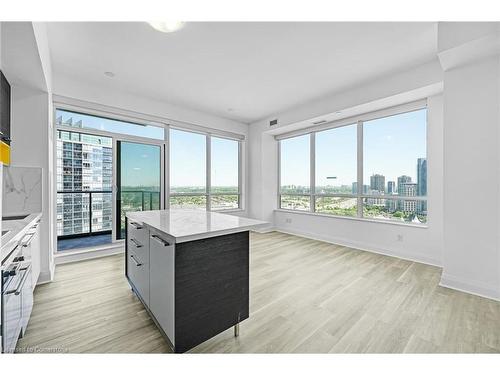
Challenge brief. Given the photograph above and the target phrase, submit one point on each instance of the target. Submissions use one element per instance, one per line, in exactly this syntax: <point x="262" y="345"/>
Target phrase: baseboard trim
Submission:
<point x="362" y="246"/>
<point x="470" y="287"/>
<point x="90" y="254"/>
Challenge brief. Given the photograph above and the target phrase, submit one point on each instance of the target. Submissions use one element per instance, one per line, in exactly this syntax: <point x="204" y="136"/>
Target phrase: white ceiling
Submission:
<point x="242" y="71"/>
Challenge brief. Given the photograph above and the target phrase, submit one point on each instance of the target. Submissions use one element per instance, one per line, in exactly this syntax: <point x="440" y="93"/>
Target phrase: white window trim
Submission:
<point x="359" y="121"/>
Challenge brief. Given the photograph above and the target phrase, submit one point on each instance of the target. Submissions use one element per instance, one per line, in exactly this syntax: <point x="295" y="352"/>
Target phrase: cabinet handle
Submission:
<point x="160" y="240"/>
<point x="27" y="243"/>
<point x="19" y="287"/>
<point x="136" y="225"/>
<point x="135" y="261"/>
<point x="136" y="243"/>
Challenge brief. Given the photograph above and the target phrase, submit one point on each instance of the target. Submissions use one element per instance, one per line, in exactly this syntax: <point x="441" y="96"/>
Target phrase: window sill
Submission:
<point x="412" y="225"/>
<point x="229" y="210"/>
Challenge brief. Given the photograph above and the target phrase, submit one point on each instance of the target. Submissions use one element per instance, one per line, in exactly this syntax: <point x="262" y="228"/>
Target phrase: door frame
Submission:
<point x="115" y="138"/>
<point x="116" y="175"/>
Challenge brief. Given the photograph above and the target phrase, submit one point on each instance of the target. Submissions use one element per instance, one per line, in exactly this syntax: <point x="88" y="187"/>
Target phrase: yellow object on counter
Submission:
<point x="4" y="153"/>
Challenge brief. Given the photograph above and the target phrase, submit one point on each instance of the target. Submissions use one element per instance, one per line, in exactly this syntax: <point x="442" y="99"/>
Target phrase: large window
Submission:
<point x="374" y="167"/>
<point x="106" y="167"/>
<point x="196" y="183"/>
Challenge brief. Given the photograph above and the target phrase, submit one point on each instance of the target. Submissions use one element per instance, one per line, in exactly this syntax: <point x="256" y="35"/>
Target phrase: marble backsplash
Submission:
<point x="22" y="190"/>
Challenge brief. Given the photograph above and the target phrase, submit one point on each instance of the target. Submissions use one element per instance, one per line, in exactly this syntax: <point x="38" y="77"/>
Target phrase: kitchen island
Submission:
<point x="190" y="269"/>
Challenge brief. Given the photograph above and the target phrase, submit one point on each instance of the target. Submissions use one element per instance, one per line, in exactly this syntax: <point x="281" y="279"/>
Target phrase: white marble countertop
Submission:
<point x="16" y="230"/>
<point x="188" y="225"/>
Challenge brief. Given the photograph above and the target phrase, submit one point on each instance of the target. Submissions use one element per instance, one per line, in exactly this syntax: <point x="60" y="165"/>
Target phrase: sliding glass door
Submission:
<point x="138" y="180"/>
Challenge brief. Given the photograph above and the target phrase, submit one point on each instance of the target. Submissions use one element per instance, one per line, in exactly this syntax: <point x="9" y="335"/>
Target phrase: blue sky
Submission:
<point x="140" y="165"/>
<point x="391" y="147"/>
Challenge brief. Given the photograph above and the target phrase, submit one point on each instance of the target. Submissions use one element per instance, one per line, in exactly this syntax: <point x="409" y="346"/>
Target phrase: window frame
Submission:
<point x="118" y="114"/>
<point x="359" y="121"/>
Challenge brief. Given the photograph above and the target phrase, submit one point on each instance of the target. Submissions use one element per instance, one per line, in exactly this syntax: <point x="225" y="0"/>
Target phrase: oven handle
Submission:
<point x="19" y="287"/>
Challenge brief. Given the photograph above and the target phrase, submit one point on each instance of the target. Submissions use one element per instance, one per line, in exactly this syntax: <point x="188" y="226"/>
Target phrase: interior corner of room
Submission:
<point x="351" y="203"/>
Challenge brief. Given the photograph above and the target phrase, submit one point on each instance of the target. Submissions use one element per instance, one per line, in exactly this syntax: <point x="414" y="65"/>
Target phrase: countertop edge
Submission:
<point x="7" y="246"/>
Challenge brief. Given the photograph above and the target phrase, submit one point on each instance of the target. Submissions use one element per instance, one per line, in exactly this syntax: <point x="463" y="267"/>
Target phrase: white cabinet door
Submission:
<point x="162" y="282"/>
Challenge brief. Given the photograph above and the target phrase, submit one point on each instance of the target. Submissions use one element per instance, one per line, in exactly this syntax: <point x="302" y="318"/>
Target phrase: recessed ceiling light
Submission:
<point x="166" y="26"/>
<point x="109" y="74"/>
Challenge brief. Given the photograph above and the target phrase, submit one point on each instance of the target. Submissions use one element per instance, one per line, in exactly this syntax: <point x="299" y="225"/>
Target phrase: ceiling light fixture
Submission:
<point x="166" y="26"/>
<point x="109" y="74"/>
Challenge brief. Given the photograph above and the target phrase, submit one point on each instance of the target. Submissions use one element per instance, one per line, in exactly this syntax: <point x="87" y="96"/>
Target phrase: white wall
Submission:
<point x="417" y="243"/>
<point x="29" y="148"/>
<point x="471" y="259"/>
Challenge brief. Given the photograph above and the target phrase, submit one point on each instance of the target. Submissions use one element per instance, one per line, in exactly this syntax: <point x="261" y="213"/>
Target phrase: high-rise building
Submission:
<point x="84" y="164"/>
<point x="391" y="187"/>
<point x="422" y="183"/>
<point x="377" y="183"/>
<point x="402" y="180"/>
<point x="422" y="177"/>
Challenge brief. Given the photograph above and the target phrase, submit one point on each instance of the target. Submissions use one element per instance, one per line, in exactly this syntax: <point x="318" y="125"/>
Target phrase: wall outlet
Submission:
<point x="288" y="220"/>
<point x="400" y="237"/>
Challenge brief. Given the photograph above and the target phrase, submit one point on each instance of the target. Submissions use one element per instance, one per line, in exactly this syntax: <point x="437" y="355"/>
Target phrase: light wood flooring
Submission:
<point x="305" y="297"/>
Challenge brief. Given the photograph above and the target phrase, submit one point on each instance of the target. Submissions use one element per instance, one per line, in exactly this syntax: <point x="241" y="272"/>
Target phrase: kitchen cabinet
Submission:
<point x="31" y="244"/>
<point x="4" y="109"/>
<point x="190" y="269"/>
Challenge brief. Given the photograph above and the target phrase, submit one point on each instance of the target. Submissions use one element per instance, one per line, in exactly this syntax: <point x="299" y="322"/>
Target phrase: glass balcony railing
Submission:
<point x="85" y="212"/>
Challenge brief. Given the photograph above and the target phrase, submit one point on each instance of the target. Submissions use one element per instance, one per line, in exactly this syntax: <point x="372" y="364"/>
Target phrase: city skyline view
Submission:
<point x="394" y="165"/>
<point x="391" y="148"/>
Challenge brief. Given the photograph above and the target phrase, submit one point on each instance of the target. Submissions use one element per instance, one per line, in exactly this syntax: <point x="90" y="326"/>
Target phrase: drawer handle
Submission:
<point x="138" y="264"/>
<point x="28" y="242"/>
<point x="136" y="243"/>
<point x="19" y="286"/>
<point x="136" y="225"/>
<point x="160" y="240"/>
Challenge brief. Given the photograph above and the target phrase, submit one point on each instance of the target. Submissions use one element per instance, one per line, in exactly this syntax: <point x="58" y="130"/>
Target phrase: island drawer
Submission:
<point x="138" y="232"/>
<point x="138" y="274"/>
<point x="141" y="249"/>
